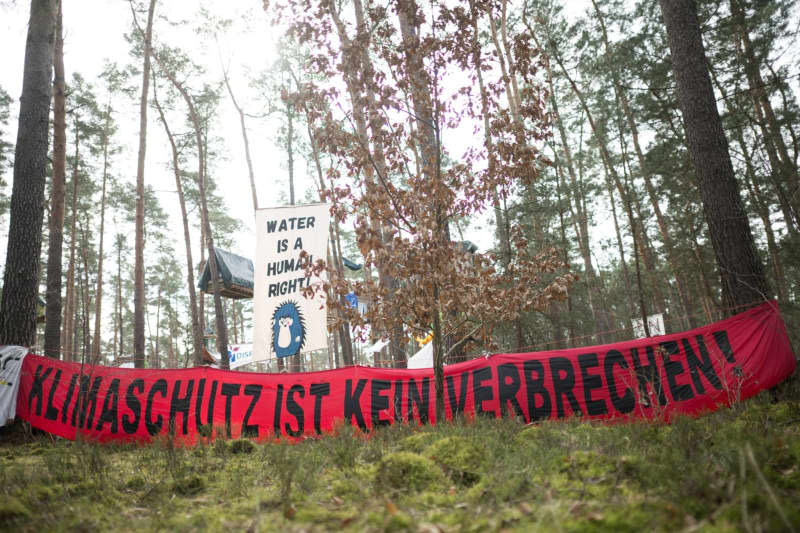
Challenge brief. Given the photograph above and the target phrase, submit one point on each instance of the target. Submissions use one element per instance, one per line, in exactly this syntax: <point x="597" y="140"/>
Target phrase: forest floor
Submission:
<point x="734" y="470"/>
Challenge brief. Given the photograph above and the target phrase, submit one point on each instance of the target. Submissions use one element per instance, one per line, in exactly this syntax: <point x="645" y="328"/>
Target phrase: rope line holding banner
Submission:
<point x="78" y="356"/>
<point x="572" y="340"/>
<point x="669" y="320"/>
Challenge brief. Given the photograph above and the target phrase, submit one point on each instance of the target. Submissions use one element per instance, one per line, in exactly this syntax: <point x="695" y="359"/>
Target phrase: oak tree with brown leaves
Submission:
<point x="399" y="80"/>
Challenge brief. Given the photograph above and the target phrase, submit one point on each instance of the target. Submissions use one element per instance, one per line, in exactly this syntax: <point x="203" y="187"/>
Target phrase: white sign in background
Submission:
<point x="10" y="365"/>
<point x="286" y="322"/>
<point x="239" y="354"/>
<point x="655" y="323"/>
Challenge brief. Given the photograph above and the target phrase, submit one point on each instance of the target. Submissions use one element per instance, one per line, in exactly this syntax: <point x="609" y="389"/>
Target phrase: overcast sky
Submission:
<point x="94" y="34"/>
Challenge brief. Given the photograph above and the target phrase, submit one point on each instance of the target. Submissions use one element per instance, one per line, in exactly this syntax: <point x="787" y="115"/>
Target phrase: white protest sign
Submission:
<point x="239" y="354"/>
<point x="286" y="322"/>
<point x="655" y="323"/>
<point x="10" y="365"/>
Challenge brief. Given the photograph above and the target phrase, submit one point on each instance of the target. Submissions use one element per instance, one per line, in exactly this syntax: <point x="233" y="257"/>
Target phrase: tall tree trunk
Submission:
<point x="98" y="304"/>
<point x="427" y="126"/>
<point x="222" y="332"/>
<point x="247" y="157"/>
<point x="783" y="164"/>
<point x="53" y="302"/>
<point x="197" y="332"/>
<point x="23" y="254"/>
<point x="620" y="246"/>
<point x="85" y="303"/>
<point x="138" y="290"/>
<point x="295" y="361"/>
<point x="741" y="271"/>
<point x="119" y="298"/>
<point x="762" y="209"/>
<point x="334" y="247"/>
<point x="579" y="216"/>
<point x="666" y="238"/>
<point x="156" y="356"/>
<point x="69" y="312"/>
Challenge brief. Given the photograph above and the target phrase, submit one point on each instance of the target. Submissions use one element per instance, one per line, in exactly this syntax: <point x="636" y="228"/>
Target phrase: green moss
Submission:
<point x="242" y="446"/>
<point x="406" y="471"/>
<point x="458" y="457"/>
<point x="11" y="508"/>
<point x="189" y="485"/>
<point x="417" y="442"/>
<point x="560" y="476"/>
<point x="622" y="519"/>
<point x="398" y="521"/>
<point x="135" y="483"/>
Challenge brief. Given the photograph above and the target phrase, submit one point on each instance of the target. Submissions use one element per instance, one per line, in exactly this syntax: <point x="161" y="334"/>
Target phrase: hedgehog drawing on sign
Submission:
<point x="288" y="329"/>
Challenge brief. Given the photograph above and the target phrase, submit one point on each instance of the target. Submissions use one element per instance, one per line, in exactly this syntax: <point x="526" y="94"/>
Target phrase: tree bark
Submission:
<point x="138" y="275"/>
<point x="783" y="164"/>
<point x="98" y="304"/>
<point x="222" y="332"/>
<point x="197" y="332"/>
<point x="53" y="301"/>
<point x="741" y="271"/>
<point x="23" y="253"/>
<point x="69" y="311"/>
<point x="669" y="246"/>
<point x="247" y="157"/>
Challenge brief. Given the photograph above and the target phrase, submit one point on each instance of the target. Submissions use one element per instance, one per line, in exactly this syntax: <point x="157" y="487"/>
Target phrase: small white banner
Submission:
<point x="239" y="354"/>
<point x="655" y="324"/>
<point x="10" y="365"/>
<point x="286" y="322"/>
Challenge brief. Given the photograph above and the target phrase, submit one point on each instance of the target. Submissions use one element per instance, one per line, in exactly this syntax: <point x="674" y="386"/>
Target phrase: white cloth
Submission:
<point x="423" y="358"/>
<point x="377" y="347"/>
<point x="11" y="358"/>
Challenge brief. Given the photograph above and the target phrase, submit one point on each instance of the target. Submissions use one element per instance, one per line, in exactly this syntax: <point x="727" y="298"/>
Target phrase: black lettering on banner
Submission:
<point x="398" y="401"/>
<point x="109" y="412"/>
<point x="254" y="390"/>
<point x="352" y="402"/>
<point x="705" y="366"/>
<point x="562" y="386"/>
<point x="379" y="402"/>
<point x="318" y="391"/>
<point x="590" y="383"/>
<point x="229" y="390"/>
<point x="89" y="402"/>
<point x="648" y="373"/>
<point x="181" y="405"/>
<point x="70" y="391"/>
<point x="457" y="404"/>
<point x="724" y="343"/>
<point x="36" y="389"/>
<point x="294" y="408"/>
<point x="212" y="399"/>
<point x="130" y="425"/>
<point x="153" y="427"/>
<point x="83" y="387"/>
<point x="198" y="405"/>
<point x="534" y="388"/>
<point x="51" y="413"/>
<point x="507" y="391"/>
<point x="480" y="392"/>
<point x="276" y="416"/>
<point x="674" y="368"/>
<point x="418" y="398"/>
<point x="626" y="402"/>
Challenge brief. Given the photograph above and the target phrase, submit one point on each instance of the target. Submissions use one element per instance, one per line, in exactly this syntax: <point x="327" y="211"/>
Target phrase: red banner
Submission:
<point x="689" y="373"/>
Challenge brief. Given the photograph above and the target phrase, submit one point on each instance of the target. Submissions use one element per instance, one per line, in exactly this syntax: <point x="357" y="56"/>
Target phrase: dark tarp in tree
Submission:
<point x="235" y="272"/>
